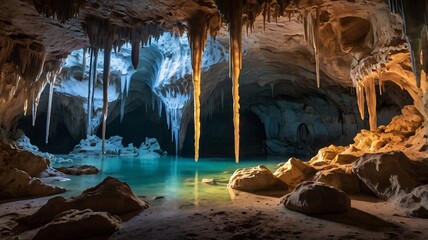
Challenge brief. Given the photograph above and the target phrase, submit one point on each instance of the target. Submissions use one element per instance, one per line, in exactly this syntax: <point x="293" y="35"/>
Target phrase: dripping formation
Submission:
<point x="415" y="27"/>
<point x="61" y="10"/>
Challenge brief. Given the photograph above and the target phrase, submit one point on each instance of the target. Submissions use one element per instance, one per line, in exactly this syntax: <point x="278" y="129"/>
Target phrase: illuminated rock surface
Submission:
<point x="255" y="179"/>
<point x="78" y="170"/>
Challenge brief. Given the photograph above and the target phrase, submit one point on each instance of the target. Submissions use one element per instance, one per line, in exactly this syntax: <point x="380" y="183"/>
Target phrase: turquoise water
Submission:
<point x="173" y="178"/>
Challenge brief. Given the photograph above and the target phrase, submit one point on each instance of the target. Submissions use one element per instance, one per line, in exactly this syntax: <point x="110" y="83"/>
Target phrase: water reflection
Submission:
<point x="175" y="178"/>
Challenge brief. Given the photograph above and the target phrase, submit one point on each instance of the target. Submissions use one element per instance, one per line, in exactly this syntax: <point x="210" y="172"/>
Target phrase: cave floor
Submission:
<point x="246" y="217"/>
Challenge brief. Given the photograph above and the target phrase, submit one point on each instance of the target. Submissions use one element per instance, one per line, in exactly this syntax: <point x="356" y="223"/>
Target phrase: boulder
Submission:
<point x="391" y="173"/>
<point x="343" y="179"/>
<point x="415" y="204"/>
<point x="294" y="171"/>
<point x="317" y="198"/>
<point x="111" y="195"/>
<point x="77" y="224"/>
<point x="78" y="170"/>
<point x="26" y="161"/>
<point x="15" y="183"/>
<point x="255" y="179"/>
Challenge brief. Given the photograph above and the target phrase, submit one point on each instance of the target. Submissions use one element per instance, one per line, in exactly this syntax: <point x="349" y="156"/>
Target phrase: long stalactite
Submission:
<point x="197" y="32"/>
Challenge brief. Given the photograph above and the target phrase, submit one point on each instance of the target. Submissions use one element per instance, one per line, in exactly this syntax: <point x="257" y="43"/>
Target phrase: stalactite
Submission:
<point x="232" y="12"/>
<point x="91" y="85"/>
<point x="62" y="10"/>
<point x="106" y="76"/>
<point x="84" y="64"/>
<point x="25" y="107"/>
<point x="29" y="59"/>
<point x="415" y="22"/>
<point x="48" y="118"/>
<point x="135" y="53"/>
<point x="122" y="95"/>
<point x="197" y="39"/>
<point x="311" y="35"/>
<point x="370" y="92"/>
<point x="53" y="69"/>
<point x="360" y="99"/>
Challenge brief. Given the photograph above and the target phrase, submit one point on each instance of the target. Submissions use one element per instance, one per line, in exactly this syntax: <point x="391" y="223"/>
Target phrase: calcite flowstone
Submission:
<point x="255" y="179"/>
<point x="391" y="173"/>
<point x="111" y="195"/>
<point x="316" y="198"/>
<point x="79" y="224"/>
<point x="294" y="171"/>
<point x="78" y="170"/>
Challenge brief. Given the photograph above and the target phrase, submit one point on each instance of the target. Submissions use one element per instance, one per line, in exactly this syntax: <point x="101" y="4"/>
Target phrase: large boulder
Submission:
<point x="12" y="157"/>
<point x="15" y="183"/>
<point x="111" y="195"/>
<point x="294" y="171"/>
<point x="76" y="224"/>
<point x="317" y="198"/>
<point x="340" y="178"/>
<point x="255" y="179"/>
<point x="391" y="173"/>
<point x="78" y="169"/>
<point x="415" y="204"/>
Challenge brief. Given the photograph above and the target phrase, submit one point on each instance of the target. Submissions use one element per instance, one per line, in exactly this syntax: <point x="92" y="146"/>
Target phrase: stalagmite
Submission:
<point x="197" y="39"/>
<point x="370" y="91"/>
<point x="106" y="75"/>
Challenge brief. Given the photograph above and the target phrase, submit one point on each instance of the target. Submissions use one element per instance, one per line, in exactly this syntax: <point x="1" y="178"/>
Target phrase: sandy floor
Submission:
<point x="247" y="217"/>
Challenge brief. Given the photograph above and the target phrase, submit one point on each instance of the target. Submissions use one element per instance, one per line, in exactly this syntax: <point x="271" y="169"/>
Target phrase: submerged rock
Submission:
<point x="415" y="204"/>
<point x="209" y="181"/>
<point x="255" y="179"/>
<point x="317" y="198"/>
<point x="391" y="173"/>
<point x="77" y="224"/>
<point x="111" y="195"/>
<point x="294" y="171"/>
<point x="15" y="183"/>
<point x="78" y="170"/>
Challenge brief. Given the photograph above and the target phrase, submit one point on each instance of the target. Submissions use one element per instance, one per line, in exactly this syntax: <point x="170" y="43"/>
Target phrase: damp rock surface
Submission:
<point x="78" y="169"/>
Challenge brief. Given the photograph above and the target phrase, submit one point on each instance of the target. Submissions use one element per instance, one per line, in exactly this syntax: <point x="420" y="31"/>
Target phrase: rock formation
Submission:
<point x="76" y="224"/>
<point x="317" y="198"/>
<point x="255" y="179"/>
<point x="111" y="195"/>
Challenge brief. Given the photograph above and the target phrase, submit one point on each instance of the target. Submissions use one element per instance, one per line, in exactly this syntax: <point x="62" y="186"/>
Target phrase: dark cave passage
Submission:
<point x="217" y="135"/>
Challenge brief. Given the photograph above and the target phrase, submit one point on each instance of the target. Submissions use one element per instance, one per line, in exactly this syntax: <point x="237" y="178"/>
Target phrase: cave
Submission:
<point x="214" y="119"/>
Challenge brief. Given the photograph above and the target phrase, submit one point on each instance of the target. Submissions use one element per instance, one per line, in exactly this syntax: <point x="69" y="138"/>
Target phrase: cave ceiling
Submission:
<point x="313" y="45"/>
